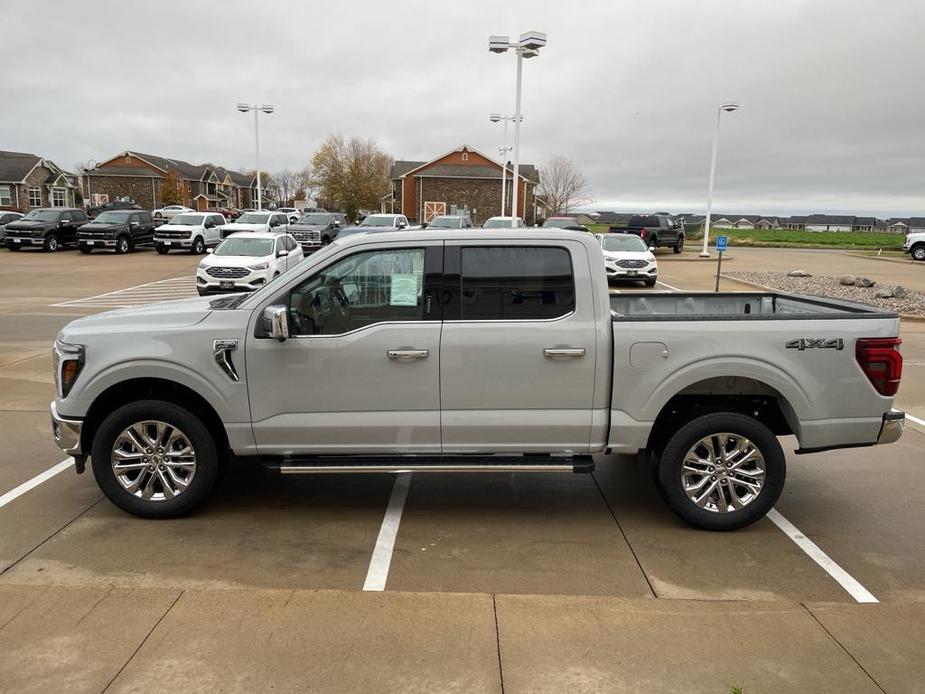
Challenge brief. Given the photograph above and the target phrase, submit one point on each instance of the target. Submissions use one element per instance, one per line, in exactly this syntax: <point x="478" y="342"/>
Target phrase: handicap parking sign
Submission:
<point x="721" y="243"/>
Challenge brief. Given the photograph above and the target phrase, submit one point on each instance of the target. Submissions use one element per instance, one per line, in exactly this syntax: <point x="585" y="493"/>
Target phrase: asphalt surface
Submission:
<point x="530" y="582"/>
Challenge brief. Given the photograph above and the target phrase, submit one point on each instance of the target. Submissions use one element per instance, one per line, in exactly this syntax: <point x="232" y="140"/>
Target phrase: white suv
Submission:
<point x="192" y="231"/>
<point x="915" y="245"/>
<point x="246" y="261"/>
<point x="259" y="221"/>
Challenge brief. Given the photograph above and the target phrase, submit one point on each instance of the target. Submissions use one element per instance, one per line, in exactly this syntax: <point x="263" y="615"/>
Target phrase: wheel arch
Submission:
<point x="131" y="390"/>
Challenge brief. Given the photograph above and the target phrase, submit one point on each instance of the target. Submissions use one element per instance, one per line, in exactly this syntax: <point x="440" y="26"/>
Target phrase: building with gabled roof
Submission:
<point x="28" y="181"/>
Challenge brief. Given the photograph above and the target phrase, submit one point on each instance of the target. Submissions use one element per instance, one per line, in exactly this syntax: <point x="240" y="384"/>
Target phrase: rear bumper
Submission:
<point x="892" y="428"/>
<point x="66" y="432"/>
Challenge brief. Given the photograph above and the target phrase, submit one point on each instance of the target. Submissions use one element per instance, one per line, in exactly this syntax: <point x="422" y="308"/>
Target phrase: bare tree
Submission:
<point x="285" y="183"/>
<point x="305" y="187"/>
<point x="562" y="185"/>
<point x="352" y="173"/>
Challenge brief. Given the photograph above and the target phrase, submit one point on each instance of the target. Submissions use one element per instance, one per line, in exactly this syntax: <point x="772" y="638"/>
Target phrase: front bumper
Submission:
<point x="66" y="432"/>
<point x="24" y="240"/>
<point x="96" y="242"/>
<point x="206" y="284"/>
<point x="892" y="427"/>
<point x="173" y="243"/>
<point x="614" y="272"/>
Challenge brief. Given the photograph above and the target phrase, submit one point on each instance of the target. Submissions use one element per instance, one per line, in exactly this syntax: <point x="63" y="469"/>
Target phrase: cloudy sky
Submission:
<point x="832" y="91"/>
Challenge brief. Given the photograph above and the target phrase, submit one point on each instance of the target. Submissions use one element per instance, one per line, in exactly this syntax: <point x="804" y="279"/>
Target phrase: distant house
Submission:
<point x="864" y="224"/>
<point x="141" y="177"/>
<point x="463" y="180"/>
<point x="797" y="221"/>
<point x="829" y="222"/>
<point x="898" y="225"/>
<point x="28" y="181"/>
<point x="768" y="222"/>
<point x="916" y="225"/>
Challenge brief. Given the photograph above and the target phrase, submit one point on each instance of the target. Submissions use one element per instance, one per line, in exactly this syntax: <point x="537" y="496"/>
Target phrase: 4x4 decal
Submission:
<point x="816" y="343"/>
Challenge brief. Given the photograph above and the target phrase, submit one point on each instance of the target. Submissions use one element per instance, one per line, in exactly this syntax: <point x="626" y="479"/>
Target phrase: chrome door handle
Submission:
<point x="564" y="352"/>
<point x="408" y="354"/>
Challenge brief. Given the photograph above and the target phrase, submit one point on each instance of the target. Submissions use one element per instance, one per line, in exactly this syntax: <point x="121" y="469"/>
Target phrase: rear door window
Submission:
<point x="515" y="283"/>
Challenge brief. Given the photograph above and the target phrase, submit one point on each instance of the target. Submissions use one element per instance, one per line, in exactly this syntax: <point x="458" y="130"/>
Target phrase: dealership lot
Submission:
<point x="542" y="582"/>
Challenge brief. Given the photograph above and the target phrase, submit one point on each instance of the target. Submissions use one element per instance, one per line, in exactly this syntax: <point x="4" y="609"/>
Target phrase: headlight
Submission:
<point x="259" y="266"/>
<point x="68" y="362"/>
<point x="203" y="266"/>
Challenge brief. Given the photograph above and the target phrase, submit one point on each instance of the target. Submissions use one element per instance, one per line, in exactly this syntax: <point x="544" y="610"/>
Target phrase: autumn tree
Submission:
<point x="562" y="185"/>
<point x="352" y="173"/>
<point x="170" y="190"/>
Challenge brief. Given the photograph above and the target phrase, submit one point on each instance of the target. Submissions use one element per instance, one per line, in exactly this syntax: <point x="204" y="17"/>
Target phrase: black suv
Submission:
<point x="120" y="230"/>
<point x="316" y="229"/>
<point x="47" y="227"/>
<point x="656" y="230"/>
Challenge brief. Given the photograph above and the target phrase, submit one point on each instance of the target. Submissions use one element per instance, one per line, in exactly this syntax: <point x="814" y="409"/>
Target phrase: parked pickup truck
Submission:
<point x="118" y="230"/>
<point x="492" y="351"/>
<point x="915" y="245"/>
<point x="656" y="230"/>
<point x="48" y="228"/>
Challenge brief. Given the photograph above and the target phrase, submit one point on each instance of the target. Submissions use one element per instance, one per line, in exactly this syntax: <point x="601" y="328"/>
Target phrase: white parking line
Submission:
<point x="845" y="580"/>
<point x="674" y="289"/>
<point x="378" y="572"/>
<point x="149" y="293"/>
<point x="920" y="422"/>
<point x="17" y="492"/>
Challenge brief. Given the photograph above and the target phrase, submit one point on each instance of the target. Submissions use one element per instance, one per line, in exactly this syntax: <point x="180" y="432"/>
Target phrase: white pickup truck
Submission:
<point x="494" y="351"/>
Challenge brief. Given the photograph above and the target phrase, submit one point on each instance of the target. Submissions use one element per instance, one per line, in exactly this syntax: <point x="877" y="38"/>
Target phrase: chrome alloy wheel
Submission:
<point x="153" y="460"/>
<point x="723" y="472"/>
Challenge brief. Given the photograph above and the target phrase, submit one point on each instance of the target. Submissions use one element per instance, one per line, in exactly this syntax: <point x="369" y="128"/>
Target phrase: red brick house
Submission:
<point x="463" y="181"/>
<point x="141" y="177"/>
<point x="28" y="181"/>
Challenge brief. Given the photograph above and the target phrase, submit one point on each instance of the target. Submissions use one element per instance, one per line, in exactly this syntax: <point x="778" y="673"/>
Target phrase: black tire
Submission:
<point x="679" y="246"/>
<point x="207" y="459"/>
<point x="650" y="282"/>
<point x="123" y="245"/>
<point x="158" y="215"/>
<point x="86" y="250"/>
<point x="652" y="241"/>
<point x="198" y="247"/>
<point x="918" y="252"/>
<point x="325" y="240"/>
<point x="51" y="243"/>
<point x="162" y="250"/>
<point x="764" y="440"/>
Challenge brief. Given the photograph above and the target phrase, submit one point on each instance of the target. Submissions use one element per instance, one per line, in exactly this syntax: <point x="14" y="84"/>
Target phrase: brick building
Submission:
<point x="141" y="177"/>
<point x="463" y="180"/>
<point x="28" y="181"/>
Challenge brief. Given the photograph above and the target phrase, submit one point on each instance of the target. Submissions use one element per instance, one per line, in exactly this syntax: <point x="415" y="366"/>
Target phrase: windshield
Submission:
<point x="378" y="220"/>
<point x="446" y="222"/>
<point x="499" y="223"/>
<point x="256" y="248"/>
<point x="560" y="223"/>
<point x="314" y="218"/>
<point x="623" y="242"/>
<point x="43" y="215"/>
<point x="253" y="218"/>
<point x="111" y="217"/>
<point x="188" y="219"/>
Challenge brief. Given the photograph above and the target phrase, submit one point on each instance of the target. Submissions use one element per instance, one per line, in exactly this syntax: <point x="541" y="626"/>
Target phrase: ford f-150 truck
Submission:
<point x="469" y="350"/>
<point x="656" y="230"/>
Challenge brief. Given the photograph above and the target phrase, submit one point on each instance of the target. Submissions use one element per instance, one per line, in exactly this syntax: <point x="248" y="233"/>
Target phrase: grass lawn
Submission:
<point x="783" y="238"/>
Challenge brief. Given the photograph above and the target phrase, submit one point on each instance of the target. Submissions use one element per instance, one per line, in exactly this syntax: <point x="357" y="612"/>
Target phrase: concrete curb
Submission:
<point x="904" y="316"/>
<point x="904" y="261"/>
<point x="695" y="259"/>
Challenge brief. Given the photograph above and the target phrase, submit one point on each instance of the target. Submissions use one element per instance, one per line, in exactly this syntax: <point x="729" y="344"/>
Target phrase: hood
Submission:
<point x="629" y="255"/>
<point x="180" y="313"/>
<point x="179" y="227"/>
<point x="234" y="260"/>
<point x="103" y="226"/>
<point x="30" y="225"/>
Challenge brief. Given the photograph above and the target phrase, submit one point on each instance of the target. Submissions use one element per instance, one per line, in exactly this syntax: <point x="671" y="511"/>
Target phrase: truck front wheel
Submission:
<point x="154" y="459"/>
<point x="722" y="471"/>
<point x="918" y="252"/>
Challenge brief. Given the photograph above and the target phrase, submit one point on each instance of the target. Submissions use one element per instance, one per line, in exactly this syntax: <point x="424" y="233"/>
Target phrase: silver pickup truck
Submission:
<point x="494" y="351"/>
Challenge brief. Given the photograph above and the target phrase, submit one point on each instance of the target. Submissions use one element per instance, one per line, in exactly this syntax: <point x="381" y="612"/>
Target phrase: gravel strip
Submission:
<point x="912" y="304"/>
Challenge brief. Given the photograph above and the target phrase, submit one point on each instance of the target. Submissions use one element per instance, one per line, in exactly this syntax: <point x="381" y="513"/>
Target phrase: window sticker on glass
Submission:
<point x="404" y="290"/>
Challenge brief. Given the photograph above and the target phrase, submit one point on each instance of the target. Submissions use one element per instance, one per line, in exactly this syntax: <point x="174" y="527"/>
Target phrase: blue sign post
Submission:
<point x="720" y="249"/>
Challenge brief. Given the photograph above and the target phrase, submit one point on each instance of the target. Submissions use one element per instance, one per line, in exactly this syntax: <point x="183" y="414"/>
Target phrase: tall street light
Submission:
<point x="528" y="46"/>
<point x="503" y="149"/>
<point x="265" y="108"/>
<point x="729" y="107"/>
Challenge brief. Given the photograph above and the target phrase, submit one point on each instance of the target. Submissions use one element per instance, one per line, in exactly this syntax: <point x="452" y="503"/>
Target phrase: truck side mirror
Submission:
<point x="276" y="322"/>
<point x="402" y="225"/>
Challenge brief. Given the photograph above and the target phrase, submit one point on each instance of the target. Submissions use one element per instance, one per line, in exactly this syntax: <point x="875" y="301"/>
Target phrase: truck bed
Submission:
<point x="735" y="306"/>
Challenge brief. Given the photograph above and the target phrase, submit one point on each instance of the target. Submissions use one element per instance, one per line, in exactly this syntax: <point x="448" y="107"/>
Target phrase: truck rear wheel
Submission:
<point x="722" y="471"/>
<point x="154" y="459"/>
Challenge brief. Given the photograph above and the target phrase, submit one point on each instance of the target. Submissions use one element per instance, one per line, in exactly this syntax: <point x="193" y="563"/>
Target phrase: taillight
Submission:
<point x="642" y="234"/>
<point x="881" y="361"/>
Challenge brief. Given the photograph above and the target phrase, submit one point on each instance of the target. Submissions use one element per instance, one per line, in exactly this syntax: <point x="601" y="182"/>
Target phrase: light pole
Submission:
<point x="503" y="149"/>
<point x="729" y="107"/>
<point x="92" y="164"/>
<point x="528" y="46"/>
<point x="266" y="108"/>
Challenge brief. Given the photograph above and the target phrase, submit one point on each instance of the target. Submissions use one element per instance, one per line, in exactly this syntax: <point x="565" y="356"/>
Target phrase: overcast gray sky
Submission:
<point x="833" y="105"/>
